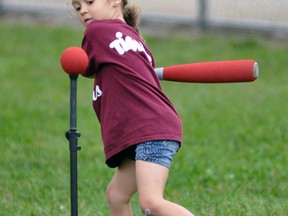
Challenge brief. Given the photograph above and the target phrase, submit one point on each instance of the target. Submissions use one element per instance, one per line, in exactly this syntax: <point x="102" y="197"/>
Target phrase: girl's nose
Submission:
<point x="83" y="10"/>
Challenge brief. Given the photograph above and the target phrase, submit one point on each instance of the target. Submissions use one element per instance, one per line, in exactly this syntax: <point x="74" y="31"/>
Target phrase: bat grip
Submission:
<point x="159" y="72"/>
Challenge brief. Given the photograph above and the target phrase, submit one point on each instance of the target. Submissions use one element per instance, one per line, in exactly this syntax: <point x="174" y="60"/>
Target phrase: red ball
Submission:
<point x="74" y="60"/>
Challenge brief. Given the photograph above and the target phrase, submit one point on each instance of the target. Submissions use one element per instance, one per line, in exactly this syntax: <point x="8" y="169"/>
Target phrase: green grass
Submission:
<point x="234" y="156"/>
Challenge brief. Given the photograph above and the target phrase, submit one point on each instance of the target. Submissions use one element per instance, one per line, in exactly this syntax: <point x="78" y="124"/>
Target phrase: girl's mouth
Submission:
<point x="88" y="20"/>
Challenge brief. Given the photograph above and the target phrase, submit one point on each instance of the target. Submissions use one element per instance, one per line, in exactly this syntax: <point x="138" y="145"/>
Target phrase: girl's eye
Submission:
<point x="77" y="7"/>
<point x="90" y="2"/>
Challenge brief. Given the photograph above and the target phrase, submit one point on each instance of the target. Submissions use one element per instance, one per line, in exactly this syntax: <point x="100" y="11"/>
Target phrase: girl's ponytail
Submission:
<point x="131" y="15"/>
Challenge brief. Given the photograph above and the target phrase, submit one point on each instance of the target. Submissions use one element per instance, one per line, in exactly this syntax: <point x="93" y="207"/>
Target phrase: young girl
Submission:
<point x="140" y="127"/>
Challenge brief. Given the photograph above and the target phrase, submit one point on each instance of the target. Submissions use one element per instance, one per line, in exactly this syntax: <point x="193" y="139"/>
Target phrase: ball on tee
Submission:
<point x="74" y="60"/>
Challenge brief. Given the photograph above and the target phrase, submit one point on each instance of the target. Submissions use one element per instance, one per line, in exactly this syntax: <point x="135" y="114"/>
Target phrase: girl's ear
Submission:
<point x="116" y="3"/>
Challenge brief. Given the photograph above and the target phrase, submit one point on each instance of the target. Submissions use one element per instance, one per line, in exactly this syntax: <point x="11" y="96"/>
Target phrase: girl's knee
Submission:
<point x="112" y="195"/>
<point x="109" y="194"/>
<point x="150" y="204"/>
<point x="116" y="197"/>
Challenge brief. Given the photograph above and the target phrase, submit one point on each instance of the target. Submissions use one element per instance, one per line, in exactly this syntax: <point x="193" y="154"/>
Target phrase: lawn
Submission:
<point x="235" y="135"/>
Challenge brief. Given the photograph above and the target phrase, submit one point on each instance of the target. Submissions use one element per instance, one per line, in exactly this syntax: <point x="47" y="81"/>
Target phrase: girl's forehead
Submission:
<point x="77" y="1"/>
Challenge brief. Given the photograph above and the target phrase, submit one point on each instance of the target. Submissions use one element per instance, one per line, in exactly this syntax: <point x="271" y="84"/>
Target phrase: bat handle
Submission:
<point x="159" y="72"/>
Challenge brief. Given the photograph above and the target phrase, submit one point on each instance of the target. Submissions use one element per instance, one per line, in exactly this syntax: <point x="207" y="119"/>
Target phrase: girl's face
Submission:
<point x="88" y="10"/>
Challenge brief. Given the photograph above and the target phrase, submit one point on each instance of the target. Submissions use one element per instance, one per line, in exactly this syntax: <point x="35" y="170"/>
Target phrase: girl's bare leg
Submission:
<point x="121" y="189"/>
<point x="151" y="180"/>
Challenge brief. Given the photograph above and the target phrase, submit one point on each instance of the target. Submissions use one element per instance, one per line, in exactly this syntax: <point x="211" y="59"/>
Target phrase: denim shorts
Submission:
<point x="157" y="151"/>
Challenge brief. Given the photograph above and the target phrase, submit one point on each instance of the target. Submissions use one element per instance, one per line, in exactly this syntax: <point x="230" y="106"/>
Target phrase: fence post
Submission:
<point x="203" y="15"/>
<point x="1" y="8"/>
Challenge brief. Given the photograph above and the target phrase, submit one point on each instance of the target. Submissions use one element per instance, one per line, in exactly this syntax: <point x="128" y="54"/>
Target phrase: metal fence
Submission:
<point x="261" y="15"/>
<point x="257" y="15"/>
<point x="246" y="14"/>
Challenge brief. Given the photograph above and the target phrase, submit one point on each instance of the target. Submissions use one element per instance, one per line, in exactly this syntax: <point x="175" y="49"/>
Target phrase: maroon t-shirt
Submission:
<point x="127" y="96"/>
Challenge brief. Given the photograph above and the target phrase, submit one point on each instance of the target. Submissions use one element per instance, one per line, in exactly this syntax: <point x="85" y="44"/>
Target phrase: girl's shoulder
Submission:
<point x="104" y="26"/>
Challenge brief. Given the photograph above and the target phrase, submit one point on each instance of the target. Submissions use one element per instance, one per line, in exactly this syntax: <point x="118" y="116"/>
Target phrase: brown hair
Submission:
<point x="131" y="15"/>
